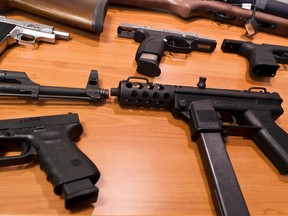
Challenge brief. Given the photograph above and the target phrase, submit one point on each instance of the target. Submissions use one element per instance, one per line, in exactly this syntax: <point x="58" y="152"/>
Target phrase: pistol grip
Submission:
<point x="271" y="139"/>
<point x="5" y="29"/>
<point x="71" y="172"/>
<point x="149" y="53"/>
<point x="262" y="61"/>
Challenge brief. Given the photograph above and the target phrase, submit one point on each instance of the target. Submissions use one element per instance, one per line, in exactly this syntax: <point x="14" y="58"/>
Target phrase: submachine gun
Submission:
<point x="209" y="113"/>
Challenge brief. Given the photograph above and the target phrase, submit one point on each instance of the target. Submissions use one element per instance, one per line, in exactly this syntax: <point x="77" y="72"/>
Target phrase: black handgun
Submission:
<point x="49" y="140"/>
<point x="155" y="42"/>
<point x="213" y="114"/>
<point x="263" y="58"/>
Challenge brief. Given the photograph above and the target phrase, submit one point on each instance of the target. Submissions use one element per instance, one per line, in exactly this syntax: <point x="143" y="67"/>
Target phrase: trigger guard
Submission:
<point x="26" y="39"/>
<point x="221" y="16"/>
<point x="177" y="45"/>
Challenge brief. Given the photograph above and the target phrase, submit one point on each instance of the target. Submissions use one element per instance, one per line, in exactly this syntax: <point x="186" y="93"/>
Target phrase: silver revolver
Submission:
<point x="26" y="33"/>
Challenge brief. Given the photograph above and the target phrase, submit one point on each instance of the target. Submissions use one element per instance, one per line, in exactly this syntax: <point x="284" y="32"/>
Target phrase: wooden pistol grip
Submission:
<point x="86" y="14"/>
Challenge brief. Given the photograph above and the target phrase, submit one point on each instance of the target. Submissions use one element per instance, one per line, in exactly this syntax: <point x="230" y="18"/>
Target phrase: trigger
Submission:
<point x="234" y="120"/>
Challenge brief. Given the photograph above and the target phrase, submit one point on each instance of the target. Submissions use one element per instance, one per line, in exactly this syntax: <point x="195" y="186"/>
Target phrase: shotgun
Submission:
<point x="88" y="14"/>
<point x="218" y="11"/>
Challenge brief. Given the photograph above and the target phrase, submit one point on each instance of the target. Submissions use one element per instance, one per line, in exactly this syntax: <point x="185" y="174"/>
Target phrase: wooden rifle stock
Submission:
<point x="86" y="14"/>
<point x="214" y="10"/>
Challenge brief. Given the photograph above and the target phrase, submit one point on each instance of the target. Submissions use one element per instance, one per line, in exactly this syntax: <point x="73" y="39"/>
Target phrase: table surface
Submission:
<point x="148" y="163"/>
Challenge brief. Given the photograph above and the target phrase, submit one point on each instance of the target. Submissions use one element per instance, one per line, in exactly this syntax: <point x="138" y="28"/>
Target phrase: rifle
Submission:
<point x="89" y="14"/>
<point x="218" y="11"/>
<point x="273" y="7"/>
<point x="213" y="114"/>
<point x="18" y="84"/>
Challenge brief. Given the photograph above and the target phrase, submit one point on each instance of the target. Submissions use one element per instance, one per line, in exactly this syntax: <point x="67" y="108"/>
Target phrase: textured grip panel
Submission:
<point x="5" y="28"/>
<point x="71" y="172"/>
<point x="149" y="54"/>
<point x="261" y="59"/>
<point x="59" y="157"/>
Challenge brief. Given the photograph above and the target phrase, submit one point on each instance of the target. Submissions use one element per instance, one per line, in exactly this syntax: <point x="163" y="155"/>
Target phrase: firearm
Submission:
<point x="26" y="33"/>
<point x="18" y="84"/>
<point x="263" y="58"/>
<point x="89" y="14"/>
<point x="46" y="139"/>
<point x="218" y="11"/>
<point x="153" y="43"/>
<point x="213" y="114"/>
<point x="275" y="7"/>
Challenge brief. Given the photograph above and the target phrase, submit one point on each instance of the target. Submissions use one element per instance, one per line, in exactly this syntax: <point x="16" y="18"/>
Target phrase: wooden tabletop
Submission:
<point x="148" y="163"/>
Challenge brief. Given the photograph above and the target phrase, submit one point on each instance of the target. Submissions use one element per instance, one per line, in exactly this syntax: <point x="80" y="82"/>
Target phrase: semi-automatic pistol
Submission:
<point x="26" y="33"/>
